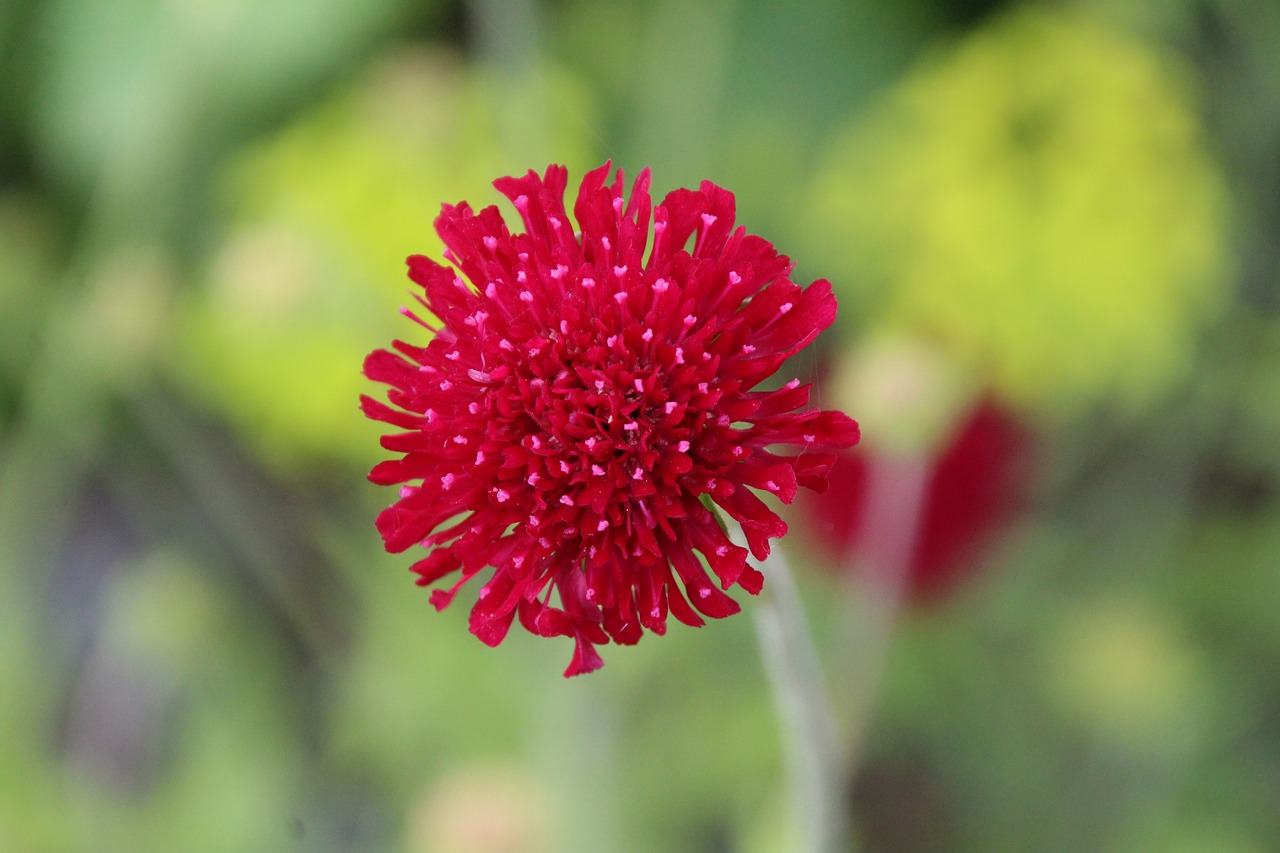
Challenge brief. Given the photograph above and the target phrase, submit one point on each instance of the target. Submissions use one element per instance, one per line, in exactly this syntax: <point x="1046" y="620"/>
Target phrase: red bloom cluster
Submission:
<point x="580" y="400"/>
<point x="972" y="489"/>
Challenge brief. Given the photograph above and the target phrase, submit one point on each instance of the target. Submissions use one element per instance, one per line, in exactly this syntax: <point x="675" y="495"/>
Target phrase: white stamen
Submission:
<point x="459" y="439"/>
<point x="784" y="308"/>
<point x="566" y="500"/>
<point x="502" y="495"/>
<point x="734" y="278"/>
<point x="708" y="219"/>
<point x="533" y="479"/>
<point x="660" y="286"/>
<point x="446" y="482"/>
<point x="671" y="406"/>
<point x="588" y="283"/>
<point x="602" y="526"/>
<point x="810" y="438"/>
<point x="525" y="296"/>
<point x="683" y="447"/>
<point x="679" y="355"/>
<point x="597" y="470"/>
<point x="621" y="271"/>
<point x="491" y="242"/>
<point x="620" y="297"/>
<point x="647" y="336"/>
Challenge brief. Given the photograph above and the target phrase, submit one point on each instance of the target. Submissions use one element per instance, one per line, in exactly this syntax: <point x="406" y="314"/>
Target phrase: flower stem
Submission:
<point x="804" y="711"/>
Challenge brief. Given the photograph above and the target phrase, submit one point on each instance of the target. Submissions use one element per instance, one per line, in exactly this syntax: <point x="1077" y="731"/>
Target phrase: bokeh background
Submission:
<point x="1052" y="230"/>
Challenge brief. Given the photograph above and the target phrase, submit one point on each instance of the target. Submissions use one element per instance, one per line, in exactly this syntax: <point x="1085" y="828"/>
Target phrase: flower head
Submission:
<point x="582" y="401"/>
<point x="972" y="491"/>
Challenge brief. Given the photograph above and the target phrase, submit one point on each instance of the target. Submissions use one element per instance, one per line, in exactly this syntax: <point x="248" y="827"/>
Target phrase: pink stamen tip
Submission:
<point x="566" y="500"/>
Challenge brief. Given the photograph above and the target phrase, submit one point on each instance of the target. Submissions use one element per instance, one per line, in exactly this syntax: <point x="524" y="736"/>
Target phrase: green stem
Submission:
<point x="804" y="711"/>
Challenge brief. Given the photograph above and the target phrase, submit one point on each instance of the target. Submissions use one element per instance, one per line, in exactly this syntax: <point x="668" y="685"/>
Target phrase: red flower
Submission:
<point x="580" y="400"/>
<point x="970" y="492"/>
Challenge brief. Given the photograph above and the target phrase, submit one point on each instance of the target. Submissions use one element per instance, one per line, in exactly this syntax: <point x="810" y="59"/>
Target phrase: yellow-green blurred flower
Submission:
<point x="1038" y="200"/>
<point x="322" y="217"/>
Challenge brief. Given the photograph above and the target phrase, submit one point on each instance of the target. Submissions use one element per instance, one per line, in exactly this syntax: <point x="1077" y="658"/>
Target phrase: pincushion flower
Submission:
<point x="580" y="399"/>
<point x="973" y="489"/>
